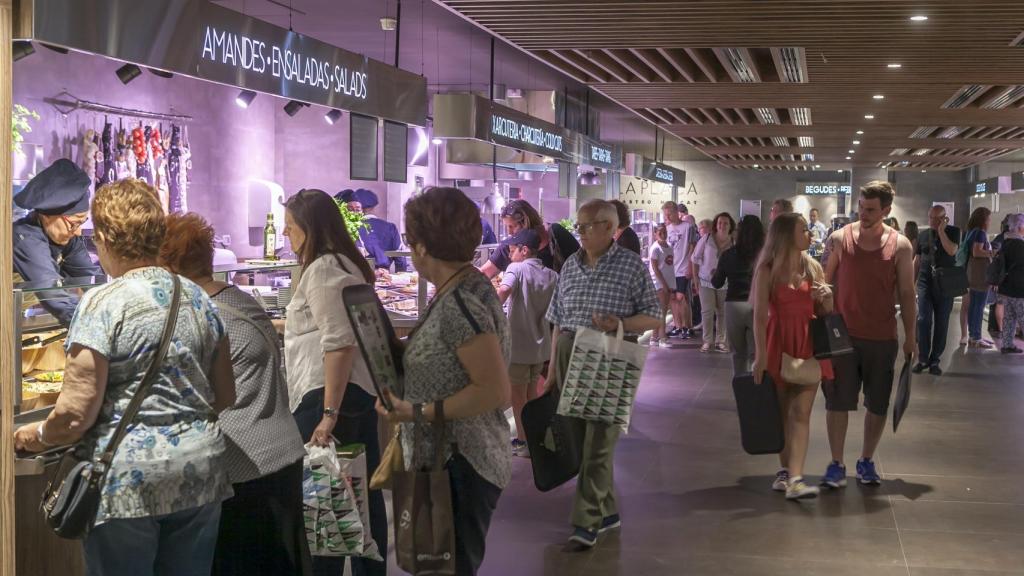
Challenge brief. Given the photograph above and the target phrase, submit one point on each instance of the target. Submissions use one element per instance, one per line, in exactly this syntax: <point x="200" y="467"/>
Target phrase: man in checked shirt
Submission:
<point x="601" y="285"/>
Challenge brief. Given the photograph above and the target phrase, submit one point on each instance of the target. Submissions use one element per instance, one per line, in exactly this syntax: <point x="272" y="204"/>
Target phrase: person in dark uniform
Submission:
<point x="381" y="236"/>
<point x="48" y="244"/>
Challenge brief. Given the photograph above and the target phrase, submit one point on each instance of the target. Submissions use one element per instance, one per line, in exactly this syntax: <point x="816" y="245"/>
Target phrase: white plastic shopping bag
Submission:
<point x="603" y="377"/>
<point x="336" y="520"/>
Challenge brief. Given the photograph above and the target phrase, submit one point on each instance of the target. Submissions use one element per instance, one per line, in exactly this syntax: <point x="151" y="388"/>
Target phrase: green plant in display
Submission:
<point x="354" y="221"/>
<point x="20" y="117"/>
<point x="568" y="224"/>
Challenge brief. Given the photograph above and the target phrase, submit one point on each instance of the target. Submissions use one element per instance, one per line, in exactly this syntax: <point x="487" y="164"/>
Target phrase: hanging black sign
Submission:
<point x="663" y="173"/>
<point x="203" y="40"/>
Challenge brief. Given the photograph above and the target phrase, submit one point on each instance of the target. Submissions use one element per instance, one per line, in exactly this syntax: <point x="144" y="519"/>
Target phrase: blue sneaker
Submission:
<point x="835" y="475"/>
<point x="583" y="537"/>
<point x="609" y="523"/>
<point x="866" y="473"/>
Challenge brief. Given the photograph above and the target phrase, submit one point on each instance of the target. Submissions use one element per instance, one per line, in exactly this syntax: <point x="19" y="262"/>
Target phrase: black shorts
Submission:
<point x="683" y="285"/>
<point x="871" y="367"/>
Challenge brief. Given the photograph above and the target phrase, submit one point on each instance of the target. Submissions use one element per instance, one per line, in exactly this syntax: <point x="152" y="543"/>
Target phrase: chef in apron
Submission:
<point x="48" y="244"/>
<point x="381" y="236"/>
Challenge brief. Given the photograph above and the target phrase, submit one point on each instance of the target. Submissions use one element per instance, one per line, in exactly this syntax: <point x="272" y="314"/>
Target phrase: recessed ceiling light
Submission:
<point x="817" y="165"/>
<point x="919" y="18"/>
<point x="869" y="116"/>
<point x="860" y="132"/>
<point x="849" y="158"/>
<point x="851" y="152"/>
<point x="437" y="141"/>
<point x="840" y="171"/>
<point x="894" y="65"/>
<point x="856" y="142"/>
<point x="757" y="165"/>
<point x="878" y="97"/>
<point x="923" y="170"/>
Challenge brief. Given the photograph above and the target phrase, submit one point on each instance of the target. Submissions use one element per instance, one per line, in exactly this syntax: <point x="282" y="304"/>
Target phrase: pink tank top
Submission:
<point x="866" y="286"/>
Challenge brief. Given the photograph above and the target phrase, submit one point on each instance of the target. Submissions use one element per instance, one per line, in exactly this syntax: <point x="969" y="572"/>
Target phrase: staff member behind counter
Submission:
<point x="48" y="244"/>
<point x="381" y="236"/>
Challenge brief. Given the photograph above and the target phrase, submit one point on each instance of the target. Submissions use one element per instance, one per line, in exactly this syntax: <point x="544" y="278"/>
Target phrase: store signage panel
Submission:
<point x="396" y="152"/>
<point x="663" y="173"/>
<point x="999" y="184"/>
<point x="600" y="155"/>
<point x="1017" y="181"/>
<point x="206" y="41"/>
<point x="362" y="147"/>
<point x="511" y="128"/>
<point x="823" y="188"/>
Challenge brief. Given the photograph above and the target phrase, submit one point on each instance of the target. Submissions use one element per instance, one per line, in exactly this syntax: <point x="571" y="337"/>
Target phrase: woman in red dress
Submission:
<point x="789" y="290"/>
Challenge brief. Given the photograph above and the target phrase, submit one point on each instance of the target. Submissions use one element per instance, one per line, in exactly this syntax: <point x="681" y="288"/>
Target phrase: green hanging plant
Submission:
<point x="354" y="221"/>
<point x="568" y="224"/>
<point x="20" y="117"/>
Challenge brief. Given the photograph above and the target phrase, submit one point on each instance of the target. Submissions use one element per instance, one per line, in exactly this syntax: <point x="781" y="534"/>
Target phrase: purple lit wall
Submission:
<point x="229" y="145"/>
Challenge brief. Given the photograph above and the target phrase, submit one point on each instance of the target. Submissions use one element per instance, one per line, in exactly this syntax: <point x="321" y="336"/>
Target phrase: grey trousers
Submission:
<point x="712" y="313"/>
<point x="739" y="327"/>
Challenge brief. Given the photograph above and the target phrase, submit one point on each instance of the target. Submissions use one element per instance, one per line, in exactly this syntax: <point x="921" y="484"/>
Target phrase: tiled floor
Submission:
<point x="693" y="503"/>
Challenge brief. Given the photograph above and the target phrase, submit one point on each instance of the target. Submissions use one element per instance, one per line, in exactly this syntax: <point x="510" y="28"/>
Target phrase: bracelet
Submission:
<point x="39" y="435"/>
<point x="330" y="412"/>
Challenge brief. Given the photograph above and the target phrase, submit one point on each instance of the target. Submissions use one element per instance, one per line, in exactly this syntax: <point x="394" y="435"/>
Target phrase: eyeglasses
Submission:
<point x="72" y="224"/>
<point x="584" y="228"/>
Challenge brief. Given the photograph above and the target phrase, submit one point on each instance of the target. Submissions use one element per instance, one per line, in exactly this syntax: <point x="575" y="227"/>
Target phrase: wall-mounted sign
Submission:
<point x="1017" y="181"/>
<point x="998" y="184"/>
<point x="663" y="173"/>
<point x="644" y="193"/>
<point x="823" y="188"/>
<point x="203" y="40"/>
<point x="526" y="133"/>
<point x="600" y="155"/>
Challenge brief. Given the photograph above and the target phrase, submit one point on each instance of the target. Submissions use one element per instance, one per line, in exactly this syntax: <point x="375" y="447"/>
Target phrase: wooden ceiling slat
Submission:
<point x="696" y="118"/>
<point x="631" y="63"/>
<point x="726" y="115"/>
<point x="679" y="60"/>
<point x="700" y="58"/>
<point x="604" y="62"/>
<point x="654" y="61"/>
<point x="710" y="116"/>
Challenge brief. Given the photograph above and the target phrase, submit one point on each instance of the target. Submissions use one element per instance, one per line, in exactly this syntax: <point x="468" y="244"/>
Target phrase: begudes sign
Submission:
<point x="823" y="188"/>
<point x="663" y="173"/>
<point x="202" y="40"/>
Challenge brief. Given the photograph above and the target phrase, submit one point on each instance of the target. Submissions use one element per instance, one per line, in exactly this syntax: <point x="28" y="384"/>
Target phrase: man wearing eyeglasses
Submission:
<point x="48" y="244"/>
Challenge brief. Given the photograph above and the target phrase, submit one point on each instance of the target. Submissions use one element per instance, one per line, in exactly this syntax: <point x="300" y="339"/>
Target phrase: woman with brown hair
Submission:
<point x="979" y="254"/>
<point x="556" y="243"/>
<point x="261" y="527"/>
<point x="789" y="290"/>
<point x="329" y="385"/>
<point x="452" y="356"/>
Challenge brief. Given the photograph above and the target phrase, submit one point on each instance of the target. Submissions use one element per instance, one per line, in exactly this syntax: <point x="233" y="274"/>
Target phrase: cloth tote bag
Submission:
<point x="603" y="377"/>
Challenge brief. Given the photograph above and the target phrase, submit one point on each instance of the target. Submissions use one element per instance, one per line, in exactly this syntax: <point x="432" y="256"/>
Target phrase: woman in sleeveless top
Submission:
<point x="789" y="289"/>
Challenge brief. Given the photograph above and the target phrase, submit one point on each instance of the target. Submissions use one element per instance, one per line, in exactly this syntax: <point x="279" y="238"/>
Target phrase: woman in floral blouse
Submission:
<point x="160" y="507"/>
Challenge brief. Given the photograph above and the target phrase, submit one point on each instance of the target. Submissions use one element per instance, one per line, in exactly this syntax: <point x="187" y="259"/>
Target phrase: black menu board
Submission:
<point x="362" y="147"/>
<point x="396" y="149"/>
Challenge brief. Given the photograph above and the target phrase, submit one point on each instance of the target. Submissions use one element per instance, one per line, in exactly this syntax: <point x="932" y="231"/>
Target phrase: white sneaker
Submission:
<point x="666" y="344"/>
<point x="653" y="342"/>
<point x="781" y="482"/>
<point x="797" y="490"/>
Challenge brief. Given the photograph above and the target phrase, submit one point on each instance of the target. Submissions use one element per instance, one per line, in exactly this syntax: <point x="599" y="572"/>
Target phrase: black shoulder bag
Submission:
<point x="70" y="505"/>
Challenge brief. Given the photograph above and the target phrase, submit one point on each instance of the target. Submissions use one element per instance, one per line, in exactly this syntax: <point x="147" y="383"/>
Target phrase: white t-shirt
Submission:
<point x="317" y="323"/>
<point x="682" y="238"/>
<point x="662" y="259"/>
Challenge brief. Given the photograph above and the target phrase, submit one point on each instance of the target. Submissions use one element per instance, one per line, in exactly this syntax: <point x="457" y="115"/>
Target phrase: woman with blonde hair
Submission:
<point x="789" y="290"/>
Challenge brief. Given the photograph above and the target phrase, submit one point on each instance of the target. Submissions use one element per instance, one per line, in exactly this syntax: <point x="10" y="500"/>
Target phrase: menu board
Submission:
<point x="362" y="147"/>
<point x="396" y="149"/>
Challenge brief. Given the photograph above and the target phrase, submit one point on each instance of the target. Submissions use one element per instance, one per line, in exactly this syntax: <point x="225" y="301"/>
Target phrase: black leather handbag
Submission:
<point x="72" y="497"/>
<point x="761" y="426"/>
<point x="951" y="281"/>
<point x="830" y="337"/>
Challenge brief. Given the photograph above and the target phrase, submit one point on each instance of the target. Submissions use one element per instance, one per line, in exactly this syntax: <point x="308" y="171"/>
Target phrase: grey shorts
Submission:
<point x="871" y="368"/>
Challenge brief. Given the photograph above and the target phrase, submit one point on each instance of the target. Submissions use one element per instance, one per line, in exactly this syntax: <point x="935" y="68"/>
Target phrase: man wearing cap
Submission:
<point x="380" y="236"/>
<point x="48" y="244"/>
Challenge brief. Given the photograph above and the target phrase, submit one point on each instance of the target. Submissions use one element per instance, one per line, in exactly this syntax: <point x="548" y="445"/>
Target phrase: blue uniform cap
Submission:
<point x="365" y="197"/>
<point x="345" y="195"/>
<point x="61" y="189"/>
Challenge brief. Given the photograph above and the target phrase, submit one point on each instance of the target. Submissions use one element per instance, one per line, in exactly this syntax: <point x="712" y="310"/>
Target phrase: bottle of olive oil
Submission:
<point x="269" y="239"/>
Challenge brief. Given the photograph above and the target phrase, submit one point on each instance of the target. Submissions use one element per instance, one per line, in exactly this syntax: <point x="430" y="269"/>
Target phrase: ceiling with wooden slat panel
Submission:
<point x="793" y="84"/>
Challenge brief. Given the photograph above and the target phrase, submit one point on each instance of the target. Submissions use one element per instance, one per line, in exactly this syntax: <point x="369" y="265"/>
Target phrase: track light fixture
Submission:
<point x="244" y="98"/>
<point x="293" y="106"/>
<point x="22" y="49"/>
<point x="332" y="116"/>
<point x="128" y="72"/>
<point x="160" y="73"/>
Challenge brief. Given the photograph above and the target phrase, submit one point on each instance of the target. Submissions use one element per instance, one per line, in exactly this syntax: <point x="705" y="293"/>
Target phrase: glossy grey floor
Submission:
<point x="952" y="502"/>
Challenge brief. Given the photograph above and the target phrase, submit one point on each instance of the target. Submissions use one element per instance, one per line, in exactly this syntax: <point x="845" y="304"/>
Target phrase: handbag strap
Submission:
<point x="147" y="381"/>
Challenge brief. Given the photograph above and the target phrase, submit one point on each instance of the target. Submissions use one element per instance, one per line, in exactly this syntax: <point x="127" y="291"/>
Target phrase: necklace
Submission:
<point x="458" y="273"/>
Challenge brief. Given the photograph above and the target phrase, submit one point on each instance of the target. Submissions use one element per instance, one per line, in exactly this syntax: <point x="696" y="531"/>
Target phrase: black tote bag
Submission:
<point x="761" y="429"/>
<point x="830" y="337"/>
<point x="555" y="442"/>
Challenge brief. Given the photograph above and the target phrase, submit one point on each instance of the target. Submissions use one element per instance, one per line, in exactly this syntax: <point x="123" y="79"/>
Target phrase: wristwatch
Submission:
<point x="332" y="412"/>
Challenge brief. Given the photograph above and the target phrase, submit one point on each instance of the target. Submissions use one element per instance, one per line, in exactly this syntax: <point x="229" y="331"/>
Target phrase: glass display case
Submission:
<point x="39" y="338"/>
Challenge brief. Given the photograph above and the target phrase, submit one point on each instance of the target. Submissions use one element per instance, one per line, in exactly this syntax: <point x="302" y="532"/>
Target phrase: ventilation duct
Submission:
<point x="743" y="70"/>
<point x="780" y="141"/>
<point x="806" y="141"/>
<point x="951" y="132"/>
<point x="1005" y="98"/>
<point x="800" y="116"/>
<point x="793" y="64"/>
<point x="964" y="96"/>
<point x="921" y="152"/>
<point x="767" y="115"/>
<point x="807" y="157"/>
<point x="899" y="152"/>
<point x="923" y="132"/>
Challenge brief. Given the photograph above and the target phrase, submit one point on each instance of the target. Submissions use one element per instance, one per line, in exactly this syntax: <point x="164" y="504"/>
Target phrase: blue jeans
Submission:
<point x="976" y="313"/>
<point x="933" y="311"/>
<point x="179" y="544"/>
